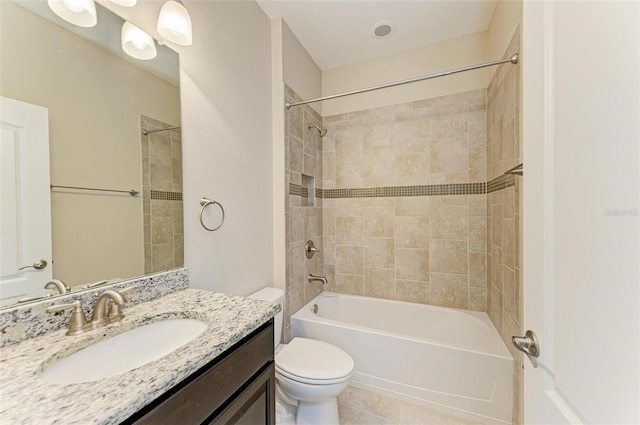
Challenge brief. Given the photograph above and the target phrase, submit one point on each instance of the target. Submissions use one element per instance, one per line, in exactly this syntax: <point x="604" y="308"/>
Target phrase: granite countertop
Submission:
<point x="26" y="399"/>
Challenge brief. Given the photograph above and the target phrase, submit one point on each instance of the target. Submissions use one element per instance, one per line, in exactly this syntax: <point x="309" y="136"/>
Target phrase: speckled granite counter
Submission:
<point x="26" y="399"/>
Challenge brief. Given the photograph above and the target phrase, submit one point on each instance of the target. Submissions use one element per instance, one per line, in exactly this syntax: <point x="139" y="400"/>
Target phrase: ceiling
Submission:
<point x="338" y="33"/>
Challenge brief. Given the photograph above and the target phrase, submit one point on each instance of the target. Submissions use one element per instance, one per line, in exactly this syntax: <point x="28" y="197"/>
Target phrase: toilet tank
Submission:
<point x="275" y="295"/>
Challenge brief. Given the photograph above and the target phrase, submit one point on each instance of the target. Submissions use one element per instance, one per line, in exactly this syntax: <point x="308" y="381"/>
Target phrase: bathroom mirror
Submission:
<point x="99" y="101"/>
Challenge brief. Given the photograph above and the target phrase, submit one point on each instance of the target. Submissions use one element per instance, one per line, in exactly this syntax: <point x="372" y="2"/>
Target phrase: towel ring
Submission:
<point x="205" y="202"/>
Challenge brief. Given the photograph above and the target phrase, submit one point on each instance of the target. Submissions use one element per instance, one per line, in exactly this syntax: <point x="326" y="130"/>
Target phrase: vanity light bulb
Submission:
<point x="126" y="3"/>
<point x="137" y="43"/>
<point x="77" y="12"/>
<point x="174" y="23"/>
<point x="75" y="6"/>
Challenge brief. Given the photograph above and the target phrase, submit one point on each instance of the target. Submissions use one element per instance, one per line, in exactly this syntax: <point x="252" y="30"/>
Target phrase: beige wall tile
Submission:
<point x="496" y="225"/>
<point x="496" y="267"/>
<point x="508" y="292"/>
<point x="448" y="256"/>
<point x="508" y="146"/>
<point x="296" y="224"/>
<point x="413" y="205"/>
<point x="448" y="155"/>
<point x="379" y="221"/>
<point x="412" y="264"/>
<point x="162" y="231"/>
<point x="477" y="205"/>
<point x="329" y="249"/>
<point x="477" y="129"/>
<point x="448" y="222"/>
<point x="379" y="283"/>
<point x="350" y="207"/>
<point x="379" y="252"/>
<point x="297" y="259"/>
<point x="295" y="154"/>
<point x="411" y="169"/>
<point x="477" y="234"/>
<point x="412" y="232"/>
<point x="448" y="121"/>
<point x="412" y="291"/>
<point x="478" y="269"/>
<point x="349" y="259"/>
<point x="478" y="299"/>
<point x="449" y="290"/>
<point x="376" y="162"/>
<point x="349" y="230"/>
<point x="162" y="257"/>
<point x="508" y="243"/>
<point x="477" y="165"/>
<point x="349" y="284"/>
<point x="443" y="201"/>
<point x="161" y="177"/>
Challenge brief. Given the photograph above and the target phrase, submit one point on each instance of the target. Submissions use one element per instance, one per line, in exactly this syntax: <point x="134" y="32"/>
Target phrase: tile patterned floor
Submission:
<point x="360" y="407"/>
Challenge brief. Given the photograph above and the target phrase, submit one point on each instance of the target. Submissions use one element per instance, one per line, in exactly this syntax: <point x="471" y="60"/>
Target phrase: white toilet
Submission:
<point x="309" y="374"/>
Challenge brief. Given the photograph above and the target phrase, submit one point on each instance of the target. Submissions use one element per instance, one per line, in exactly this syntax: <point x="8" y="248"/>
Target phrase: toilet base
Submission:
<point x="318" y="413"/>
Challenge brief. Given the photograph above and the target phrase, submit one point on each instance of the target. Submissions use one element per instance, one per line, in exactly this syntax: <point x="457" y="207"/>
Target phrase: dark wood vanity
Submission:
<point x="237" y="387"/>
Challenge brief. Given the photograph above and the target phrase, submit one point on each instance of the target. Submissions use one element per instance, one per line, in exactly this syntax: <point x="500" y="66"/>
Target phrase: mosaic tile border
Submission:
<point x="394" y="191"/>
<point x="166" y="196"/>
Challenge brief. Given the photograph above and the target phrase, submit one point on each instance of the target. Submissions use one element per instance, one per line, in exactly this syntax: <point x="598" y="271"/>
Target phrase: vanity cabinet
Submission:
<point x="237" y="387"/>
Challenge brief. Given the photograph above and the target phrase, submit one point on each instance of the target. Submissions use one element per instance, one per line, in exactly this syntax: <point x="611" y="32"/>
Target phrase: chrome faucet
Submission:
<point x="103" y="312"/>
<point x="322" y="279"/>
<point x="59" y="285"/>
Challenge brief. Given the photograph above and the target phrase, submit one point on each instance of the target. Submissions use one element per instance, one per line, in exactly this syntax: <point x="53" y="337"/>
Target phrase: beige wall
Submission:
<point x="227" y="145"/>
<point x="504" y="206"/>
<point x="425" y="249"/>
<point x="506" y="18"/>
<point x="303" y="148"/>
<point x="301" y="73"/>
<point x="94" y="139"/>
<point x="450" y="54"/>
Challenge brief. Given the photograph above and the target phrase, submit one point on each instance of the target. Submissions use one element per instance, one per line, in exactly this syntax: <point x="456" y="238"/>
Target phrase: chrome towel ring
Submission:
<point x="205" y="202"/>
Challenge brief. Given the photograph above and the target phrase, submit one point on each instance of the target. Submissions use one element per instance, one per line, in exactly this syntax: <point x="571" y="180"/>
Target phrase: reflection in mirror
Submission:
<point x="98" y="102"/>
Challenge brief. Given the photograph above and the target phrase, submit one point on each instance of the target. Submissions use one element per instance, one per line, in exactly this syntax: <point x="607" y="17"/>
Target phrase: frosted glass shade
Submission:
<point x="137" y="43"/>
<point x="77" y="12"/>
<point x="174" y="23"/>
<point x="126" y="3"/>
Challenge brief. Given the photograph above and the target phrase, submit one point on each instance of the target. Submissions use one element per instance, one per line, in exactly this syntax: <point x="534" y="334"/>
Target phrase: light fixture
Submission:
<point x="383" y="29"/>
<point x="137" y="43"/>
<point x="126" y="3"/>
<point x="174" y="23"/>
<point x="77" y="12"/>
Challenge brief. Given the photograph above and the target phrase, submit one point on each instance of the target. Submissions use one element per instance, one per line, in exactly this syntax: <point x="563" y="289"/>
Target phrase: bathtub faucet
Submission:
<point x="322" y="279"/>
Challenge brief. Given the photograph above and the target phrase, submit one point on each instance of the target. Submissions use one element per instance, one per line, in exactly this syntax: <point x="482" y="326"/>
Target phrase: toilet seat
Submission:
<point x="314" y="362"/>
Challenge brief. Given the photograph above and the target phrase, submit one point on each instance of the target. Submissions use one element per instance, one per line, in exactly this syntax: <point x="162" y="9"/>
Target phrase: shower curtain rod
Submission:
<point x="513" y="59"/>
<point x="145" y="132"/>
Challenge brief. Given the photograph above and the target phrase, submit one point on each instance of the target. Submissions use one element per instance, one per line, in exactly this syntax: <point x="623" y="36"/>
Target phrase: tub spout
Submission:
<point x="322" y="279"/>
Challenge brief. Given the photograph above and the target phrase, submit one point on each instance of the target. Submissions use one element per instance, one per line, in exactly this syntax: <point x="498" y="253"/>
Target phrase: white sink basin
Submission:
<point x="123" y="352"/>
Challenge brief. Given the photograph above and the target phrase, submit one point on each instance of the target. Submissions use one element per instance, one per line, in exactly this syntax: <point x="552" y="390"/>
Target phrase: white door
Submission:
<point x="581" y="133"/>
<point x="25" y="199"/>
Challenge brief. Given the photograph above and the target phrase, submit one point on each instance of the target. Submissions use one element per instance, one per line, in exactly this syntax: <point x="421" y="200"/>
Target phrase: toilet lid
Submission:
<point x="313" y="360"/>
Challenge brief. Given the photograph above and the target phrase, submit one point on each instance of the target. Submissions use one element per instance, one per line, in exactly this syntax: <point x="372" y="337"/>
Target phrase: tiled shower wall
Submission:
<point x="162" y="196"/>
<point x="384" y="242"/>
<point x="504" y="247"/>
<point x="303" y="150"/>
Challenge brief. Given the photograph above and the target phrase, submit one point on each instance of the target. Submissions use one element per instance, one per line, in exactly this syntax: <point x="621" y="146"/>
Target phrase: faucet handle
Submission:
<point x="115" y="312"/>
<point x="78" y="322"/>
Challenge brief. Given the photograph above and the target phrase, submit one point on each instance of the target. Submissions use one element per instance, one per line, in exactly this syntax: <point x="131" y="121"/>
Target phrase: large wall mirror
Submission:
<point x="114" y="125"/>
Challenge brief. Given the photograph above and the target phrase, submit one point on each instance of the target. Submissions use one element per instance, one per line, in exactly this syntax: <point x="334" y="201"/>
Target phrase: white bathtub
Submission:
<point x="453" y="360"/>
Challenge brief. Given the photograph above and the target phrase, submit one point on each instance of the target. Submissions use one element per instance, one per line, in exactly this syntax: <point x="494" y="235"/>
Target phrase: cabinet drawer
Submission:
<point x="210" y="389"/>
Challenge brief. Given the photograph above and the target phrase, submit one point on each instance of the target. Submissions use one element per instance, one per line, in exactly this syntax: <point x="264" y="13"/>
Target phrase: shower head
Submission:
<point x="322" y="131"/>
